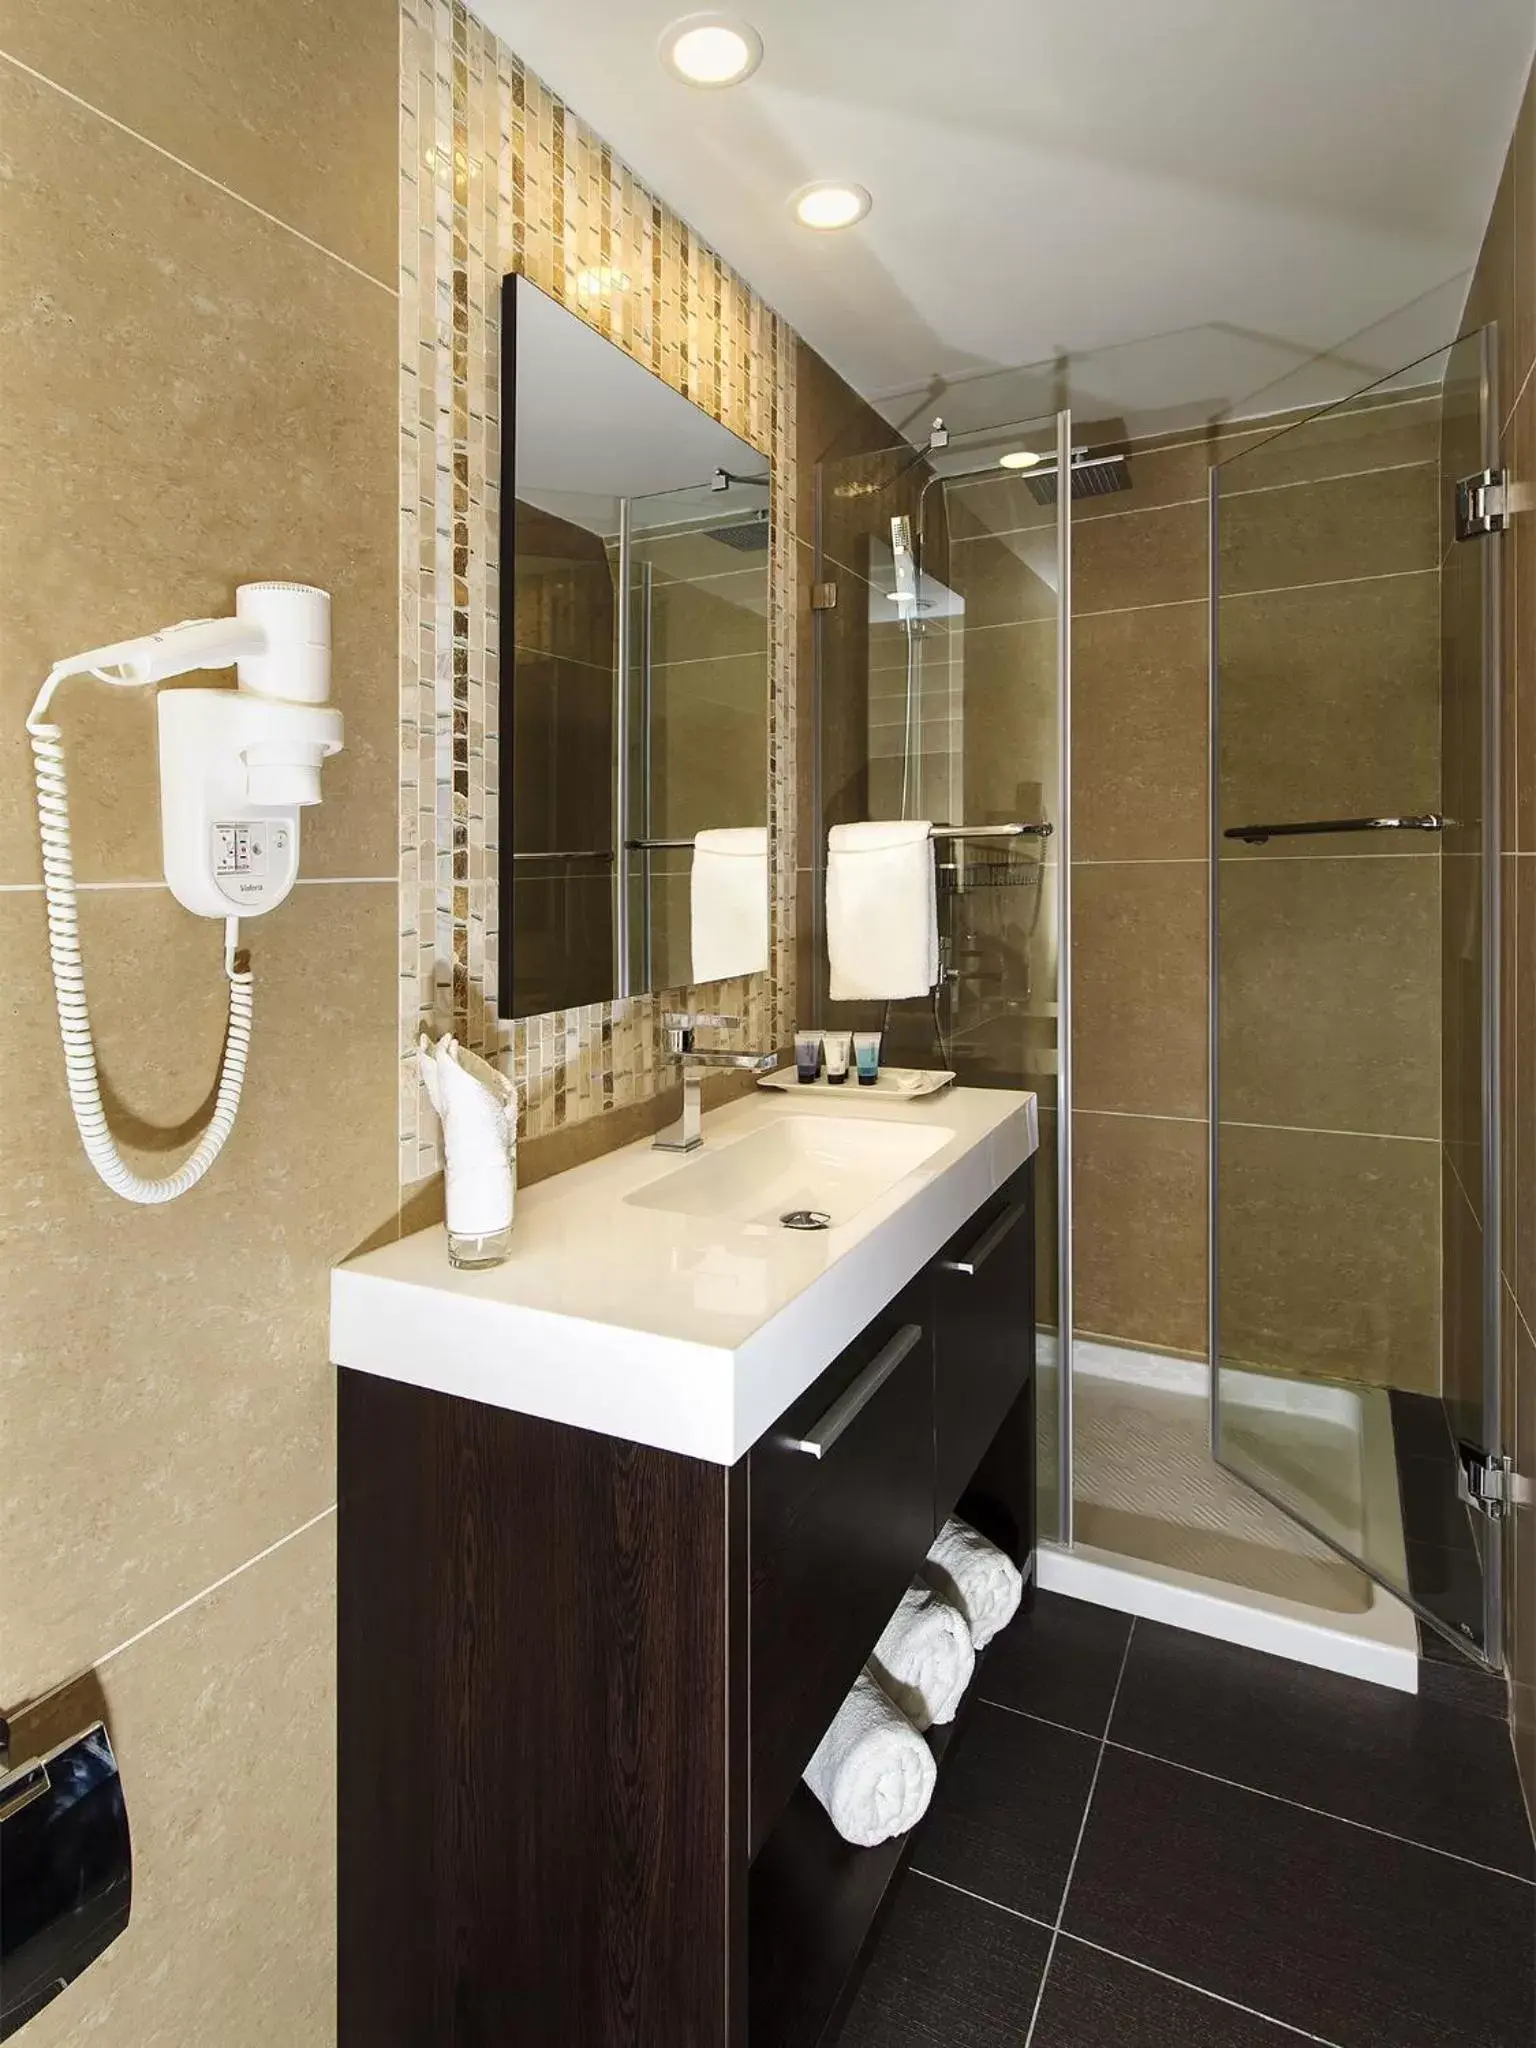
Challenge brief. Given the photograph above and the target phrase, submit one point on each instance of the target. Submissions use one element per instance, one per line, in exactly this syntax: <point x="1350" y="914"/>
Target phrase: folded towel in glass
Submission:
<point x="872" y="1771"/>
<point x="925" y="1657"/>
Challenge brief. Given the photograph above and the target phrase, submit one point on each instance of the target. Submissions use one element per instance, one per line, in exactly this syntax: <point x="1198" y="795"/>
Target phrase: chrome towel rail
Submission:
<point x="569" y="853"/>
<point x="1040" y="831"/>
<point x="1255" y="835"/>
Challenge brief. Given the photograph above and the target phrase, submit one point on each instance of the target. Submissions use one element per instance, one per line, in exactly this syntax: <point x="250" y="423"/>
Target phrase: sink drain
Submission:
<point x="806" y="1219"/>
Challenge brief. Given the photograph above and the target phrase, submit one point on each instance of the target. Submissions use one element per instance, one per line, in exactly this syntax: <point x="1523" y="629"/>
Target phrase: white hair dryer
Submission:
<point x="236" y="768"/>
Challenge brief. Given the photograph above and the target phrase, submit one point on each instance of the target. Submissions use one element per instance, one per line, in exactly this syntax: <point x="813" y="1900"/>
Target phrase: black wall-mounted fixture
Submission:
<point x="66" y="1869"/>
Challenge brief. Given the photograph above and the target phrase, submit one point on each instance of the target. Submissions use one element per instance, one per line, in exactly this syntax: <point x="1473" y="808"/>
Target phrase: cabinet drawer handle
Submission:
<point x="987" y="1243"/>
<point x="859" y="1395"/>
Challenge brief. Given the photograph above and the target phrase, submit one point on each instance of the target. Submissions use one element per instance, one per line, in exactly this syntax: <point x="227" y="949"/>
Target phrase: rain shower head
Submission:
<point x="1093" y="476"/>
<point x="749" y="536"/>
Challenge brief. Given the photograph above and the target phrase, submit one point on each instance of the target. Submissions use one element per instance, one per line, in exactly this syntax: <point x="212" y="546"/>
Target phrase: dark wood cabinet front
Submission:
<point x="579" y="1681"/>
<point x="840" y="1513"/>
<point x="983" y="1315"/>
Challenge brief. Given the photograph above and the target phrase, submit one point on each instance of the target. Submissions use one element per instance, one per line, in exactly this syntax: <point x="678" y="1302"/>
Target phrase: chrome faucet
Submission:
<point x="687" y="1135"/>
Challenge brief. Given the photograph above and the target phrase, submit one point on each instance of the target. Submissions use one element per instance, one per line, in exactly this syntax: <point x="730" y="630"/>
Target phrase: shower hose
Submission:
<point x="69" y="989"/>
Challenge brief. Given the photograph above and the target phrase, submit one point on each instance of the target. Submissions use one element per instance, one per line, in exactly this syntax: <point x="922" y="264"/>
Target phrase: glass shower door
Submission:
<point x="942" y="686"/>
<point x="1354" y="959"/>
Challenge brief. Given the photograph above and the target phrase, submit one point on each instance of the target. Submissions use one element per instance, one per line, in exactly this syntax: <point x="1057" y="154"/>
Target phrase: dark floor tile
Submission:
<point x="1448" y="1582"/>
<point x="947" y="1972"/>
<point x="1412" y="1766"/>
<point x="1004" y="1820"/>
<point x="1093" y="2000"/>
<point x="1449" y="1675"/>
<point x="1367" y="1941"/>
<point x="1419" y="1427"/>
<point x="1061" y="1659"/>
<point x="1433" y="1510"/>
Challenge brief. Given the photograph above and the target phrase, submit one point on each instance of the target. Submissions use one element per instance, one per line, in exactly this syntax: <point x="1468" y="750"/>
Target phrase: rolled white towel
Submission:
<point x="925" y="1657"/>
<point x="872" y="1771"/>
<point x="982" y="1582"/>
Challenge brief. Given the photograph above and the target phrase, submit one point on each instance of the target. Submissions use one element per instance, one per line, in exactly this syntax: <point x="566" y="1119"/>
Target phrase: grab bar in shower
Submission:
<point x="1255" y="835"/>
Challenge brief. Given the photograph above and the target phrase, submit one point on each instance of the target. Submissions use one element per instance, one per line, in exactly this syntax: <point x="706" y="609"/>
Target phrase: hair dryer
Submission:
<point x="236" y="767"/>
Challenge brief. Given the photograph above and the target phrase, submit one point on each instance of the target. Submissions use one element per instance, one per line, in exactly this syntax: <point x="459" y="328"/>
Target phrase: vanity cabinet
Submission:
<point x="983" y="1315"/>
<point x="841" y="1501"/>
<point x="579" y="1679"/>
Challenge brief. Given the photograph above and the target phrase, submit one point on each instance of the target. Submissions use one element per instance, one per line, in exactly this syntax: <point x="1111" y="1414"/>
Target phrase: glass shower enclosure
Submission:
<point x="943" y="693"/>
<point x="1355" y="1162"/>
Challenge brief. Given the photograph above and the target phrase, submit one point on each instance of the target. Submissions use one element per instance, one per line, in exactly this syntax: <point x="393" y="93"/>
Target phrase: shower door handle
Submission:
<point x="1255" y="835"/>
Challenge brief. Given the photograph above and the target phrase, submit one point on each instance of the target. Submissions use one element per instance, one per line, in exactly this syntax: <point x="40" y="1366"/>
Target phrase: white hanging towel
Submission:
<point x="925" y="1657"/>
<point x="882" y="911"/>
<point x="872" y="1771"/>
<point x="980" y="1579"/>
<point x="730" y="903"/>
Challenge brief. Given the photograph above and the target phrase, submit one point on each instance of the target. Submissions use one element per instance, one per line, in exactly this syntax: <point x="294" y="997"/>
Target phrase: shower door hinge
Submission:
<point x="823" y="597"/>
<point x="1489" y="1482"/>
<point x="1482" y="504"/>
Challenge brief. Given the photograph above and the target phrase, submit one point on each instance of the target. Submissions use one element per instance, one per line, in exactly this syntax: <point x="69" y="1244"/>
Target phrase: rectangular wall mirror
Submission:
<point x="634" y="671"/>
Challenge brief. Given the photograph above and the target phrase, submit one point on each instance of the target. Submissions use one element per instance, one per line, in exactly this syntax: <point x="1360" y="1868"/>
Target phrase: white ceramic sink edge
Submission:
<point x="691" y="1333"/>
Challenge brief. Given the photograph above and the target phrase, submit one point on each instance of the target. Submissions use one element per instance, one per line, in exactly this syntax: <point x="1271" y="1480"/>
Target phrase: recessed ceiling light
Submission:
<point x="1021" y="458"/>
<point x="711" y="49"/>
<point x="829" y="204"/>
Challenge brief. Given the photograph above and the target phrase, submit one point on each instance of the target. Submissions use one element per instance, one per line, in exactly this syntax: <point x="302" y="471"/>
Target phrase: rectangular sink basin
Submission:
<point x="831" y="1165"/>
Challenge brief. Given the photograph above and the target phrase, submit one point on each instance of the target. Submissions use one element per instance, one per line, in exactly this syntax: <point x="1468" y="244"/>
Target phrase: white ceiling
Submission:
<point x="1168" y="207"/>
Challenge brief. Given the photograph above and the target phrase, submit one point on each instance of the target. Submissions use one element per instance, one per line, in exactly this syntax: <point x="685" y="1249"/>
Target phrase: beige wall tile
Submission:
<point x="1330" y="708"/>
<point x="1520" y="629"/>
<point x="1492" y="296"/>
<point x="1139" y="704"/>
<point x="808" y="976"/>
<point x="1330" y="1255"/>
<point x="1524" y="1108"/>
<point x="1463" y="663"/>
<point x="709" y="744"/>
<point x="1047" y="1221"/>
<point x="1380" y="523"/>
<point x="809" y="824"/>
<point x="1460" y="975"/>
<point x="166" y="1402"/>
<point x="1330" y="973"/>
<point x="1010" y="735"/>
<point x="722" y="614"/>
<point x="1374" y="434"/>
<point x="831" y="421"/>
<point x="1519" y="339"/>
<point x="1004" y="578"/>
<point x="1139" y="1219"/>
<point x="193" y="399"/>
<point x="295" y="110"/>
<point x="1461" y="1339"/>
<point x="1514" y="1056"/>
<point x="224" y="1726"/>
<point x="1522" y="1551"/>
<point x="1122" y="562"/>
<point x="1138" y="993"/>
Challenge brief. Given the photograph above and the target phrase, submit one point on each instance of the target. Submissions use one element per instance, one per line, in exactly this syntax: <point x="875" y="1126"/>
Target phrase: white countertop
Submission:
<point x="684" y="1332"/>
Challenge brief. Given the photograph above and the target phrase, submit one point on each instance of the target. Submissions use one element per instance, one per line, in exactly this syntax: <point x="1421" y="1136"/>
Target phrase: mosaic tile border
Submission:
<point x="497" y="174"/>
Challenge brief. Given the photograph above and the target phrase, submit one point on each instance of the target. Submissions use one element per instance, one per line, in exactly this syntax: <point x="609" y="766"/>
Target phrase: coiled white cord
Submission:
<point x="69" y="988"/>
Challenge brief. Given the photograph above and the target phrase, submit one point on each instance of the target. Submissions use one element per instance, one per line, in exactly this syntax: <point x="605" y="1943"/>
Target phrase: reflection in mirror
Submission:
<point x="634" y="666"/>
